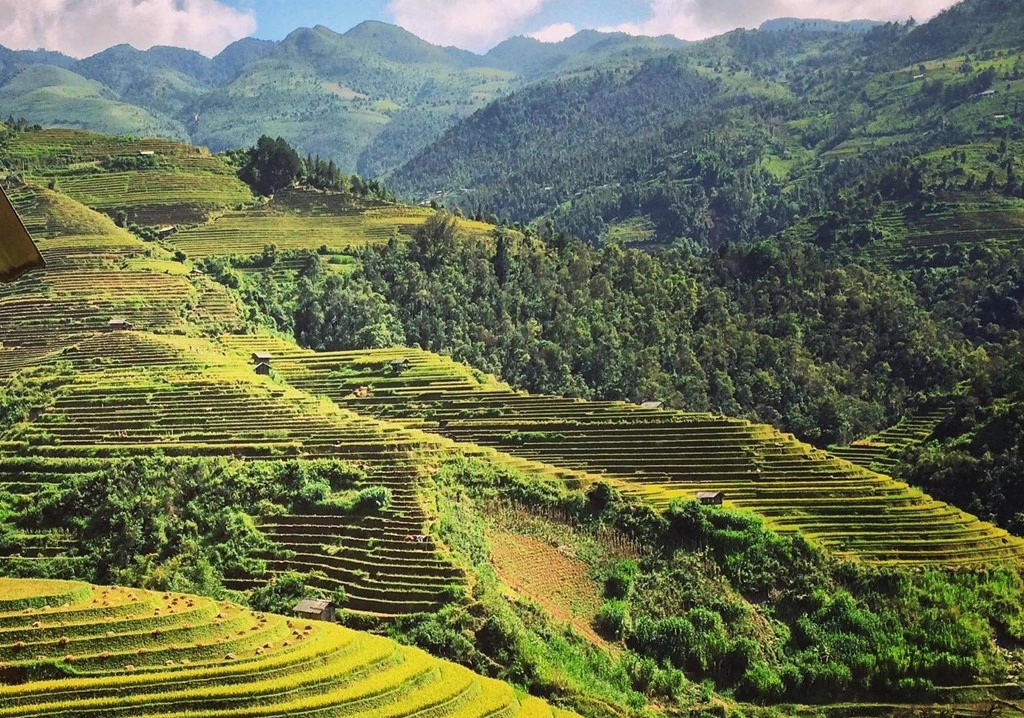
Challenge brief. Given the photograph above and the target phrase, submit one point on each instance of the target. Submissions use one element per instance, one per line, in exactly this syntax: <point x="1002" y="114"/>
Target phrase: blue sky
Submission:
<point x="479" y="24"/>
<point x="84" y="27"/>
<point x="277" y="18"/>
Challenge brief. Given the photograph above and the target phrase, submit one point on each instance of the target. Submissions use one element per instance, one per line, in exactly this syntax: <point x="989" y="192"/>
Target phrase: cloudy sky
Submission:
<point x="83" y="27"/>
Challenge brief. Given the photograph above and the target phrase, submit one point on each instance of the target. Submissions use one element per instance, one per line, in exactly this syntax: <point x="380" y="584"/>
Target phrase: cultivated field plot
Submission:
<point x="159" y="386"/>
<point x="93" y="278"/>
<point x="157" y="196"/>
<point x="59" y="149"/>
<point x="102" y="651"/>
<point x="248" y="232"/>
<point x="878" y="451"/>
<point x="551" y="578"/>
<point x="142" y="395"/>
<point x="160" y="182"/>
<point x="982" y="221"/>
<point x="663" y="456"/>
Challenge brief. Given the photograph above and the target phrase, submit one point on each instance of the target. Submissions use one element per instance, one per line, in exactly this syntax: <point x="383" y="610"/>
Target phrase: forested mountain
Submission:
<point x="734" y="137"/>
<point x="369" y="99"/>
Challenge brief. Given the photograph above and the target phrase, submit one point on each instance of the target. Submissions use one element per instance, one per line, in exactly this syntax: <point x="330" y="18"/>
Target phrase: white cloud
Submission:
<point x="84" y="27"/>
<point x="555" y="33"/>
<point x="470" y="24"/>
<point x="697" y="19"/>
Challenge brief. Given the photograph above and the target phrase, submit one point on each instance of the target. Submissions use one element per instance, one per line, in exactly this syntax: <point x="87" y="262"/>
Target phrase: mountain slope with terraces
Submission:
<point x="76" y="649"/>
<point x="99" y="272"/>
<point x="193" y="400"/>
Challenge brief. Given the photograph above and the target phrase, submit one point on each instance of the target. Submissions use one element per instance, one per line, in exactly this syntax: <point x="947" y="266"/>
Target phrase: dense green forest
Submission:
<point x="786" y="332"/>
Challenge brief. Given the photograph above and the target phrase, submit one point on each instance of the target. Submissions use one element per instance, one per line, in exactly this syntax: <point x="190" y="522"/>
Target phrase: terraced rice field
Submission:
<point x="69" y="648"/>
<point x="879" y="451"/>
<point x="305" y="227"/>
<point x="162" y="387"/>
<point x="93" y="278"/>
<point x="184" y="185"/>
<point x="140" y="395"/>
<point x="59" y="149"/>
<point x="662" y="456"/>
<point x="157" y="196"/>
<point x="983" y="221"/>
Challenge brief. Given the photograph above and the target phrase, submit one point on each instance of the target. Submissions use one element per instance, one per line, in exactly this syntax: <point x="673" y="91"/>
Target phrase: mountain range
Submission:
<point x="610" y="135"/>
<point x="368" y="99"/>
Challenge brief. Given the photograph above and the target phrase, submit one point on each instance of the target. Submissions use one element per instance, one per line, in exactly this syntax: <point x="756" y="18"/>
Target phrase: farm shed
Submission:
<point x="651" y="405"/>
<point x="262" y="358"/>
<point x="119" y="325"/>
<point x="263" y="369"/>
<point x="18" y="254"/>
<point x="399" y="365"/>
<point x="315" y="610"/>
<point x="711" y="498"/>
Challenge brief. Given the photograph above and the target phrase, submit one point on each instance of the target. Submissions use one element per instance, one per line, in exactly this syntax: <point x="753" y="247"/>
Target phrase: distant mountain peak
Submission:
<point x="817" y="25"/>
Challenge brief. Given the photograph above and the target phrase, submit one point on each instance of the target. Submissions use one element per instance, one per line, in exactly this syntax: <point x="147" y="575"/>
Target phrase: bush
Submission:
<point x="372" y="499"/>
<point x="612" y="620"/>
<point x="620" y="579"/>
<point x="760" y="683"/>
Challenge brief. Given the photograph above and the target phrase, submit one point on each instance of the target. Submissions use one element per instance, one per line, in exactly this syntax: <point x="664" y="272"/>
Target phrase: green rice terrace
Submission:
<point x="133" y="355"/>
<point x="661" y="455"/>
<point x="307" y="220"/>
<point x="162" y="384"/>
<point x="154" y="181"/>
<point x="879" y="451"/>
<point x="959" y="221"/>
<point x="69" y="648"/>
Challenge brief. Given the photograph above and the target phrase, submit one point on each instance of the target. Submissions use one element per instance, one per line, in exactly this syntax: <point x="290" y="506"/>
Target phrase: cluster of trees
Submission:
<point x="21" y="125"/>
<point x="273" y="164"/>
<point x="185" y="524"/>
<point x="975" y="460"/>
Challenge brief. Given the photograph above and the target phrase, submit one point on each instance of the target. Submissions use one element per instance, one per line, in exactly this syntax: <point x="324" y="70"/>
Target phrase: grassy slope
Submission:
<point x="60" y="98"/>
<point x="169" y="386"/>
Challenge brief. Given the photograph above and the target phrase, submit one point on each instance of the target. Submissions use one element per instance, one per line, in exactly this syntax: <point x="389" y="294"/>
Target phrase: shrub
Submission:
<point x="620" y="579"/>
<point x="612" y="620"/>
<point x="373" y="498"/>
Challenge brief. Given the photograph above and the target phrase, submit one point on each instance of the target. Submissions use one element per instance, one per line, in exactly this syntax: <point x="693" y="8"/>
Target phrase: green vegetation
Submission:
<point x="369" y="100"/>
<point x="686" y="327"/>
<point x="717" y="597"/>
<point x="661" y="456"/>
<point x="974" y="456"/>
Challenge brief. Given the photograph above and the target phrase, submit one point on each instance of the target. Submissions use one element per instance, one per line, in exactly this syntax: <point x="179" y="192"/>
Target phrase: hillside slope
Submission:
<point x="73" y="649"/>
<point x="734" y="137"/>
<point x="189" y="447"/>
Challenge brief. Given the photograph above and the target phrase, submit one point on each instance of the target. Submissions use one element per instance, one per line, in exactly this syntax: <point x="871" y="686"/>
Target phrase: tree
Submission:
<point x="272" y="165"/>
